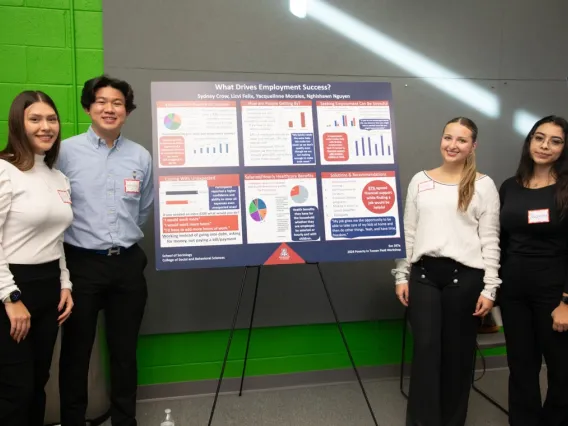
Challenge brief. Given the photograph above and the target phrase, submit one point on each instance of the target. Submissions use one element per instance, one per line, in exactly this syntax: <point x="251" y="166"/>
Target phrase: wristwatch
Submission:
<point x="13" y="297"/>
<point x="564" y="300"/>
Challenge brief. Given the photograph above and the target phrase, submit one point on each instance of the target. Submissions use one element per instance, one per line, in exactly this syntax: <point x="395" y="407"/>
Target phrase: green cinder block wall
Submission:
<point x="43" y="45"/>
<point x="54" y="46"/>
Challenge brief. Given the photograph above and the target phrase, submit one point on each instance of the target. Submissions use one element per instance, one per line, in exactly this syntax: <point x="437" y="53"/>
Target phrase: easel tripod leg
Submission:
<point x="250" y="329"/>
<point x="346" y="345"/>
<point x="235" y="316"/>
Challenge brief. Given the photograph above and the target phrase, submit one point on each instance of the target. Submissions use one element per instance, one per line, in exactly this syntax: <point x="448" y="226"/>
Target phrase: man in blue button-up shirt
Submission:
<point x="112" y="195"/>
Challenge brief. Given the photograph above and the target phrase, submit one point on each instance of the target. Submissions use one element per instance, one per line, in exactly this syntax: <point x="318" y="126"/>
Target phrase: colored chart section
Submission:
<point x="285" y="219"/>
<point x="299" y="194"/>
<point x="198" y="134"/>
<point x="257" y="210"/>
<point x="172" y="121"/>
<point x="201" y="210"/>
<point x="360" y="205"/>
<point x="278" y="133"/>
<point x="355" y="132"/>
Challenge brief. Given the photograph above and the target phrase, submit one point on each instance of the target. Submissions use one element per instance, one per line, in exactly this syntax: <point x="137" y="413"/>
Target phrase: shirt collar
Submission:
<point x="97" y="141"/>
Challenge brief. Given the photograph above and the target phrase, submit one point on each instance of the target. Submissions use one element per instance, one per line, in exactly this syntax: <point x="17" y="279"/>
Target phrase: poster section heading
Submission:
<point x="271" y="173"/>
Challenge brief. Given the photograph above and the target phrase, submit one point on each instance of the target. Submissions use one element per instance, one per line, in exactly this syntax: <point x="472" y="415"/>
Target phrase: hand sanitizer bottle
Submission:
<point x="168" y="421"/>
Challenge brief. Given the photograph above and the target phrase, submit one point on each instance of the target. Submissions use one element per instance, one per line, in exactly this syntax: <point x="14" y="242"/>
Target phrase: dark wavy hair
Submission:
<point x="19" y="151"/>
<point x="559" y="169"/>
<point x="90" y="88"/>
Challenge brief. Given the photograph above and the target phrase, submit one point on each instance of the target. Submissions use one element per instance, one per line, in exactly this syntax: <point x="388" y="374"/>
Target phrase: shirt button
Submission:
<point x="422" y="276"/>
<point x="455" y="281"/>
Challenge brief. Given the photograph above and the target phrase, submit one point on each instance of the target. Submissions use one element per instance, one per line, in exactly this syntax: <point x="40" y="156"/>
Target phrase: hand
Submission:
<point x="67" y="303"/>
<point x="402" y="293"/>
<point x="20" y="320"/>
<point x="484" y="305"/>
<point x="560" y="318"/>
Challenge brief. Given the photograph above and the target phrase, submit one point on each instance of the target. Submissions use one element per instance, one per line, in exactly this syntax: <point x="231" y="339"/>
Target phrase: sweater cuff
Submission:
<point x="5" y="291"/>
<point x="490" y="293"/>
<point x="400" y="277"/>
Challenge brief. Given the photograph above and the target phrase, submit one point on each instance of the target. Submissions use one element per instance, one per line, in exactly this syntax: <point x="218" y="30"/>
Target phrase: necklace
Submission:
<point x="535" y="183"/>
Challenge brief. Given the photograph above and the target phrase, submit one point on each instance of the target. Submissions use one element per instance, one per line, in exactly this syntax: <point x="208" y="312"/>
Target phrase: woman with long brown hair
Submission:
<point x="35" y="210"/>
<point x="449" y="277"/>
<point x="534" y="294"/>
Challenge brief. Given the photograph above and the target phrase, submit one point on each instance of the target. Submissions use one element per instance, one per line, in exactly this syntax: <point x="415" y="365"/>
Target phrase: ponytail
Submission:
<point x="467" y="182"/>
<point x="469" y="172"/>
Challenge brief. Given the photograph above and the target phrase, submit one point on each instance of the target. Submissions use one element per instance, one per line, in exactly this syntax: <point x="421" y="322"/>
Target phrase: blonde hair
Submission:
<point x="469" y="172"/>
<point x="467" y="182"/>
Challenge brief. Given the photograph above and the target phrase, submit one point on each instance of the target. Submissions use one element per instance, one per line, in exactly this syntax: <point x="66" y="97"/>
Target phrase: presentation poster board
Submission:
<point x="264" y="173"/>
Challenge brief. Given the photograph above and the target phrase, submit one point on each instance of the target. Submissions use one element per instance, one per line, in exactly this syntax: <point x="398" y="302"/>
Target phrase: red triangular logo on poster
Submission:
<point x="283" y="255"/>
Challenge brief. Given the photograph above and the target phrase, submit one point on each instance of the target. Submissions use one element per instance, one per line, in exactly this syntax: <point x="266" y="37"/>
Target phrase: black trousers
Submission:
<point x="24" y="366"/>
<point x="117" y="285"/>
<point x="531" y="290"/>
<point x="442" y="299"/>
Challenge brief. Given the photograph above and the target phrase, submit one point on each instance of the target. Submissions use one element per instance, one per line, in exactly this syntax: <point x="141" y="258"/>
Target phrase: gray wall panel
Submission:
<point x="534" y="40"/>
<point x="253" y="40"/>
<point x="262" y="36"/>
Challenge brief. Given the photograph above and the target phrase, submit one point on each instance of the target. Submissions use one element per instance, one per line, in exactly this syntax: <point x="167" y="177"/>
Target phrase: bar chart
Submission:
<point x="292" y="123"/>
<point x="373" y="146"/>
<point x="220" y="148"/>
<point x="182" y="197"/>
<point x="197" y="134"/>
<point x="344" y="121"/>
<point x="277" y="133"/>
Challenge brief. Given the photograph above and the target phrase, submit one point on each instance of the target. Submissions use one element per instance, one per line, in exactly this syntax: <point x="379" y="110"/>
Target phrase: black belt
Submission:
<point x="113" y="251"/>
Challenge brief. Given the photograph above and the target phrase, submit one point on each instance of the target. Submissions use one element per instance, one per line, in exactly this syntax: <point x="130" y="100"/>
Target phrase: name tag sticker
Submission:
<point x="132" y="186"/>
<point x="65" y="197"/>
<point x="539" y="216"/>
<point x="425" y="186"/>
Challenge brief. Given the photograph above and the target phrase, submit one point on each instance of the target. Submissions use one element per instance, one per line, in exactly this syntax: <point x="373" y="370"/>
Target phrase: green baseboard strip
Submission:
<point x="187" y="357"/>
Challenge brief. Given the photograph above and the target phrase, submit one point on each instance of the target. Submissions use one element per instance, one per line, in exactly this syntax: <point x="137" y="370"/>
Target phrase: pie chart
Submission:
<point x="172" y="121"/>
<point x="257" y="210"/>
<point x="299" y="194"/>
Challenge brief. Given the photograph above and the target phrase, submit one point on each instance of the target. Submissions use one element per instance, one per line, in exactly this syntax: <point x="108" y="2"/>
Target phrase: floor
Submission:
<point x="327" y="405"/>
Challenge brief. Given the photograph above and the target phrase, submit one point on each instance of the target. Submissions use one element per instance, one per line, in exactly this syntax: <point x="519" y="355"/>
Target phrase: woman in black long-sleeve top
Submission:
<point x="534" y="266"/>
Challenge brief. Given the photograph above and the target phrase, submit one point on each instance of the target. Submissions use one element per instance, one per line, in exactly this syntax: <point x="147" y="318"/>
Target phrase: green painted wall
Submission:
<point x="54" y="46"/>
<point x="44" y="44"/>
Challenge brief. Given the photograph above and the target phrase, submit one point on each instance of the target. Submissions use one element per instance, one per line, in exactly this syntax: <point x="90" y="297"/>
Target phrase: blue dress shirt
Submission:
<point x="106" y="214"/>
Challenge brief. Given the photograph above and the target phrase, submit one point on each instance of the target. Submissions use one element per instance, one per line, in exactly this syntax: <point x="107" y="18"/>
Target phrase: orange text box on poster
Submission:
<point x="172" y="151"/>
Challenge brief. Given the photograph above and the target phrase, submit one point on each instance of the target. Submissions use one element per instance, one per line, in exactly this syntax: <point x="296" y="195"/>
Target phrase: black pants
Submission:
<point x="117" y="285"/>
<point x="531" y="290"/>
<point x="442" y="299"/>
<point x="24" y="366"/>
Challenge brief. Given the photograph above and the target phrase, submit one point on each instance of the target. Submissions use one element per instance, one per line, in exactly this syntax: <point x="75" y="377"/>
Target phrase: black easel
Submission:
<point x="235" y="316"/>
